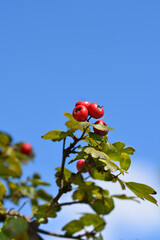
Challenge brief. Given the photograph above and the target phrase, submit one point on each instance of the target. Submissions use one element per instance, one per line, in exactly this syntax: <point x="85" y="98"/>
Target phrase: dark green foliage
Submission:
<point x="103" y="161"/>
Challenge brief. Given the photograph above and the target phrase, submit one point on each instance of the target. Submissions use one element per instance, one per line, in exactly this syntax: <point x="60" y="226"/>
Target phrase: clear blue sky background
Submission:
<point x="54" y="53"/>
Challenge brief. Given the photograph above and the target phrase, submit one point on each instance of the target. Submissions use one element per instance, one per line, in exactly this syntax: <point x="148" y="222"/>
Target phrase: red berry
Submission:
<point x="80" y="164"/>
<point x="95" y="110"/>
<point x="26" y="148"/>
<point x="84" y="103"/>
<point x="100" y="132"/>
<point x="80" y="113"/>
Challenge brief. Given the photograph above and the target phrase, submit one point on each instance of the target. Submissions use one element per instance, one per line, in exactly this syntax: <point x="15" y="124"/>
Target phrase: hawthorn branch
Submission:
<point x="70" y="203"/>
<point x="63" y="164"/>
<point x="65" y="154"/>
<point x="59" y="235"/>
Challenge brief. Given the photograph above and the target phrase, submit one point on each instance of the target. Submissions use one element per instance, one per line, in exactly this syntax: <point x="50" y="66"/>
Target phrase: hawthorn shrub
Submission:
<point x="102" y="160"/>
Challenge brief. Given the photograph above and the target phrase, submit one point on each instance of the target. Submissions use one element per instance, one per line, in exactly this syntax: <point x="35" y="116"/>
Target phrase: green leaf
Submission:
<point x="69" y="115"/>
<point x="91" y="141"/>
<point x="3" y="235"/>
<point x="72" y="124"/>
<point x="95" y="136"/>
<point x="14" y="191"/>
<point x="2" y="191"/>
<point x="67" y="173"/>
<point x="142" y="191"/>
<point x="93" y="219"/>
<point x="116" y="153"/>
<point x="95" y="153"/>
<point x="73" y="227"/>
<point x="100" y="237"/>
<point x="124" y="197"/>
<point x="129" y="150"/>
<point x="36" y="182"/>
<point x="6" y="172"/>
<point x="15" y="226"/>
<point x="43" y="211"/>
<point x="122" y="184"/>
<point x="119" y="145"/>
<point x="125" y="161"/>
<point x="5" y="139"/>
<point x="23" y="159"/>
<point x="97" y="126"/>
<point x="80" y="155"/>
<point x="14" y="164"/>
<point x="77" y="180"/>
<point x="56" y="135"/>
<point x="105" y="176"/>
<point x="75" y="125"/>
<point x="43" y="195"/>
<point x="109" y="165"/>
<point x="78" y="195"/>
<point x="103" y="207"/>
<point x="28" y="191"/>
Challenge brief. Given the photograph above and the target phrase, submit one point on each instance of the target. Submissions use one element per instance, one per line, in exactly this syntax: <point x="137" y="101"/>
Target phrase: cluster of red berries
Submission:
<point x="26" y="148"/>
<point x="82" y="110"/>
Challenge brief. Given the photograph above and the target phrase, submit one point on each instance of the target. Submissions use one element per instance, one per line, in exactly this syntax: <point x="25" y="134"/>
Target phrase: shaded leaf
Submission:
<point x="104" y="206"/>
<point x="23" y="159"/>
<point x="73" y="227"/>
<point x="77" y="180"/>
<point x="5" y="139"/>
<point x="121" y="183"/>
<point x="105" y="176"/>
<point x="3" y="235"/>
<point x="6" y="172"/>
<point x="95" y="136"/>
<point x="43" y="211"/>
<point x="93" y="219"/>
<point x="78" y="195"/>
<point x="15" y="226"/>
<point x="80" y="155"/>
<point x="14" y="164"/>
<point x="43" y="195"/>
<point x="2" y="191"/>
<point x="91" y="141"/>
<point x="67" y="173"/>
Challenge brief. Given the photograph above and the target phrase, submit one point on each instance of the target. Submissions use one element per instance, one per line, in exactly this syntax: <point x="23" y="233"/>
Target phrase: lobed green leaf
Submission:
<point x="57" y="135"/>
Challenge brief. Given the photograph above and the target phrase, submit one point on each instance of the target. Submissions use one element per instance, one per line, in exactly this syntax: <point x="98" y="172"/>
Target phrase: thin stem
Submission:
<point x="63" y="163"/>
<point x="70" y="203"/>
<point x="22" y="205"/>
<point x="65" y="154"/>
<point x="58" y="235"/>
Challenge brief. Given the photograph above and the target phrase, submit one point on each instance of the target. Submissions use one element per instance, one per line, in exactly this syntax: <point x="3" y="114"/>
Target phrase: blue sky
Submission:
<point x="55" y="53"/>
